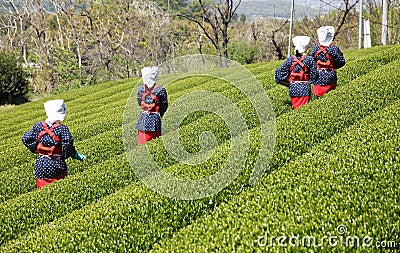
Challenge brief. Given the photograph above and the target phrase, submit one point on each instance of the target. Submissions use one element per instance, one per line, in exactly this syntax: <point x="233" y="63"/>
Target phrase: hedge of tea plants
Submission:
<point x="349" y="182"/>
<point x="94" y="146"/>
<point x="101" y="205"/>
<point x="89" y="111"/>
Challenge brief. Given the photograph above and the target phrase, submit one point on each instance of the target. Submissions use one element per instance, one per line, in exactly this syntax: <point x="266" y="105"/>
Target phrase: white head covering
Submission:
<point x="149" y="76"/>
<point x="55" y="110"/>
<point x="325" y="35"/>
<point x="301" y="43"/>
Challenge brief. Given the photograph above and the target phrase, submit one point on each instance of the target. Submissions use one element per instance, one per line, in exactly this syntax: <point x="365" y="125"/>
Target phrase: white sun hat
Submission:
<point x="301" y="43"/>
<point x="55" y="110"/>
<point x="325" y="35"/>
<point x="149" y="76"/>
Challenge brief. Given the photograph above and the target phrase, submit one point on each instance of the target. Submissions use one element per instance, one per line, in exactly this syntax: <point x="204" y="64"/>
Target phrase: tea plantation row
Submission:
<point x="350" y="181"/>
<point x="190" y="210"/>
<point x="103" y="206"/>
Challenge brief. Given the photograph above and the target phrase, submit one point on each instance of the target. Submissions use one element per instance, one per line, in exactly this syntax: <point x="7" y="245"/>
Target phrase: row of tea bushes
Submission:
<point x="346" y="188"/>
<point x="84" y="129"/>
<point x="136" y="215"/>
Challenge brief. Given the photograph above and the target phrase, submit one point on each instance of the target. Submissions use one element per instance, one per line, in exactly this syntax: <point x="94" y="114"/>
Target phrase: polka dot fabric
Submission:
<point x="50" y="167"/>
<point x="298" y="89"/>
<point x="152" y="121"/>
<point x="328" y="77"/>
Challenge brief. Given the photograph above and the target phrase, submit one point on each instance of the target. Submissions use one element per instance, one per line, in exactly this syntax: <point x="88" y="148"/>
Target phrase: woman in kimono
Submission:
<point x="328" y="58"/>
<point x="298" y="72"/>
<point x="53" y="143"/>
<point x="153" y="100"/>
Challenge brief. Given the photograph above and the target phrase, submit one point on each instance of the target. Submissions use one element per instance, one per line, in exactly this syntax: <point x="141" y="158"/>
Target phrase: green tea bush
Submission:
<point x="95" y="209"/>
<point x="137" y="215"/>
<point x="348" y="181"/>
<point x="13" y="80"/>
<point x="82" y="123"/>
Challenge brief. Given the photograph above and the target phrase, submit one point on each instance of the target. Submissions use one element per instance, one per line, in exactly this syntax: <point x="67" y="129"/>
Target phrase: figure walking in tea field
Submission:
<point x="328" y="58"/>
<point x="153" y="100"/>
<point x="298" y="72"/>
<point x="53" y="143"/>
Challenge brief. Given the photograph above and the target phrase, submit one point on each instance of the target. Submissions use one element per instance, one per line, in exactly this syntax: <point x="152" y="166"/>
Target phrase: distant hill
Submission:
<point x="279" y="9"/>
<point x="251" y="8"/>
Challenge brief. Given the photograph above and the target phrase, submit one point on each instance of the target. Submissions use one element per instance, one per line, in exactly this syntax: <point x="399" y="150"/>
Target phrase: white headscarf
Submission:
<point x="55" y="110"/>
<point x="301" y="43"/>
<point x="149" y="76"/>
<point x="325" y="35"/>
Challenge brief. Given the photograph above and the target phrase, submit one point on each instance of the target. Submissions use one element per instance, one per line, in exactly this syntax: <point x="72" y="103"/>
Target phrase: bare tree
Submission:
<point x="32" y="16"/>
<point x="214" y="22"/>
<point x="278" y="46"/>
<point x="343" y="17"/>
<point x="15" y="29"/>
<point x="83" y="39"/>
<point x="342" y="13"/>
<point x="254" y="31"/>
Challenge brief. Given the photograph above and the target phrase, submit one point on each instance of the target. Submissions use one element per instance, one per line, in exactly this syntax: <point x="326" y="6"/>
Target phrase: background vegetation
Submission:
<point x="68" y="44"/>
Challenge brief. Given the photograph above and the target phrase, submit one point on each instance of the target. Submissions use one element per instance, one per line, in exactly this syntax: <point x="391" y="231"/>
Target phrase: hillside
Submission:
<point x="331" y="167"/>
<point x="278" y="9"/>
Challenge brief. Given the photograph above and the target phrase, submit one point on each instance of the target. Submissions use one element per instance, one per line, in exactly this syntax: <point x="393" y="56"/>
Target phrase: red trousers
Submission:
<point x="145" y="136"/>
<point x="321" y="90"/>
<point x="42" y="182"/>
<point x="299" y="101"/>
